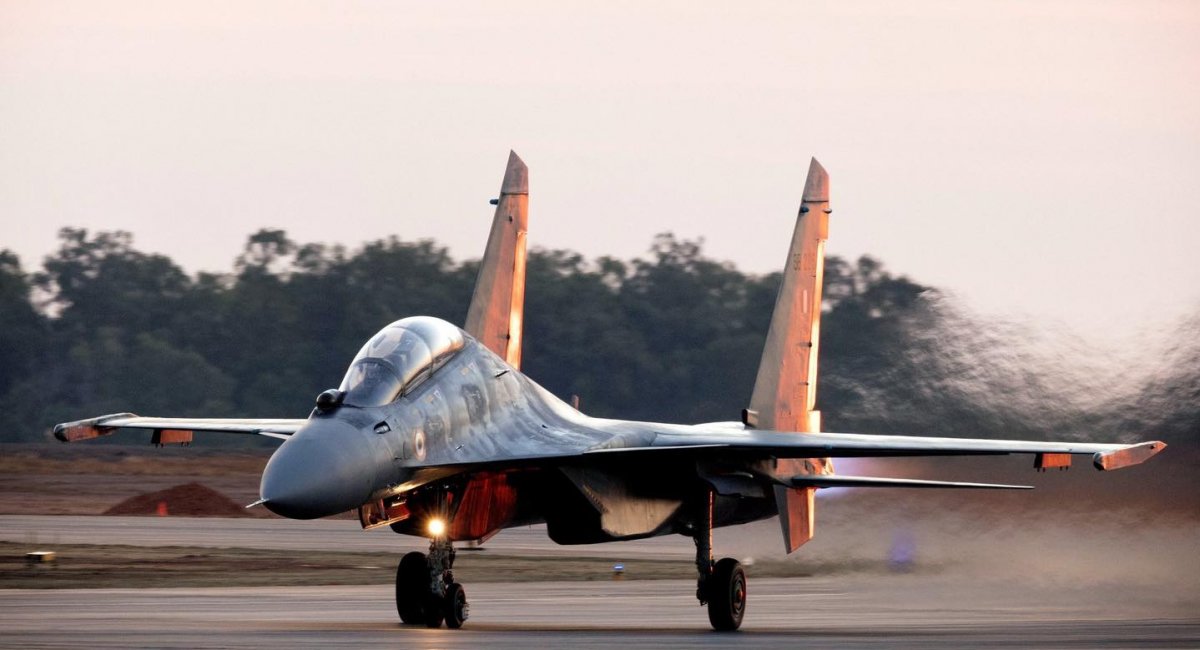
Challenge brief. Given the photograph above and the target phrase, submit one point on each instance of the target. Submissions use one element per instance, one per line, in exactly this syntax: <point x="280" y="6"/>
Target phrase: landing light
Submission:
<point x="436" y="527"/>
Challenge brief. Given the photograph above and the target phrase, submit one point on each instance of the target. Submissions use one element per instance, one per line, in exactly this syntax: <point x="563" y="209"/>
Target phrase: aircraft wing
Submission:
<point x="725" y="439"/>
<point x="174" y="430"/>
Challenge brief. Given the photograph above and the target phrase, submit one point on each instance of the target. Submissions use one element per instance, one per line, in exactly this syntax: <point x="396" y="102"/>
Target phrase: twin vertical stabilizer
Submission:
<point x="495" y="316"/>
<point x="785" y="390"/>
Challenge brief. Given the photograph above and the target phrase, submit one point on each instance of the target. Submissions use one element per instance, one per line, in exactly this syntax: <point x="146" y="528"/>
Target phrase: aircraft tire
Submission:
<point x="435" y="611"/>
<point x="726" y="595"/>
<point x="456" y="606"/>
<point x="411" y="578"/>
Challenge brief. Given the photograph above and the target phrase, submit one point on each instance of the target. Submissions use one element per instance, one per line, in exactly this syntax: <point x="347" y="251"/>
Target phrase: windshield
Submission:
<point x="400" y="356"/>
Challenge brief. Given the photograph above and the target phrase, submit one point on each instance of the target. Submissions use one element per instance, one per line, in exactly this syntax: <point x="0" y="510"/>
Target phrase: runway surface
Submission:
<point x="287" y="534"/>
<point x="1071" y="589"/>
<point x="855" y="612"/>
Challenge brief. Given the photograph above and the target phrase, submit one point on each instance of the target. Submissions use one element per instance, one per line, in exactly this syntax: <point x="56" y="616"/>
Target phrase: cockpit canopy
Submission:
<point x="398" y="358"/>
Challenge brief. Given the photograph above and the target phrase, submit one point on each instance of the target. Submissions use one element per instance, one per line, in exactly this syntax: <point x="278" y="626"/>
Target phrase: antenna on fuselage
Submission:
<point x="495" y="317"/>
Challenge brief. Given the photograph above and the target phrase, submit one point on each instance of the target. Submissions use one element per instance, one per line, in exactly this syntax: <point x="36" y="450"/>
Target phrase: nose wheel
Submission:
<point x="412" y="583"/>
<point x="426" y="593"/>
<point x="456" y="607"/>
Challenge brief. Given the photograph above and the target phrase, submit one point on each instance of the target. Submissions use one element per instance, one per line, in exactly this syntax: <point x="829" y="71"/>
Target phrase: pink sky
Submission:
<point x="1040" y="159"/>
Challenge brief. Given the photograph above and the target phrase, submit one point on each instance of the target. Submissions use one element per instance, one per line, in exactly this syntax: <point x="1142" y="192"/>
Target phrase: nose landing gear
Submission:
<point x="412" y="583"/>
<point x="456" y="607"/>
<point x="426" y="592"/>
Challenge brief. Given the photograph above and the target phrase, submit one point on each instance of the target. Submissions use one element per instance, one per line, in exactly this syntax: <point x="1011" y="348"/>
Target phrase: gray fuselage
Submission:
<point x="477" y="434"/>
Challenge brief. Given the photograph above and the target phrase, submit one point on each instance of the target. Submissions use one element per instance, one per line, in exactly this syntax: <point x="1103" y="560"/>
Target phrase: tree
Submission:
<point x="101" y="281"/>
<point x="24" y="330"/>
<point x="674" y="336"/>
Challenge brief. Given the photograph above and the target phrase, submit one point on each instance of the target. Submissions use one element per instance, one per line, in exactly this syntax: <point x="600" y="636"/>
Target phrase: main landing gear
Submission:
<point x="721" y="586"/>
<point x="426" y="592"/>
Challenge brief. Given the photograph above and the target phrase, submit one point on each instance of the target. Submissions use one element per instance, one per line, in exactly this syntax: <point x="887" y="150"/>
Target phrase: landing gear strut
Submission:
<point x="720" y="586"/>
<point x="425" y="588"/>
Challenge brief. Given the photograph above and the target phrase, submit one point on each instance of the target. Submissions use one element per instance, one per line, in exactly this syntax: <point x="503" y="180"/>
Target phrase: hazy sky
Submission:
<point x="1041" y="159"/>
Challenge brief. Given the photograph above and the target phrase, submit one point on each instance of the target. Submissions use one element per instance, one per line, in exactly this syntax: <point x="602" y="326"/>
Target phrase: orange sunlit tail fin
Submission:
<point x="496" y="312"/>
<point x="785" y="389"/>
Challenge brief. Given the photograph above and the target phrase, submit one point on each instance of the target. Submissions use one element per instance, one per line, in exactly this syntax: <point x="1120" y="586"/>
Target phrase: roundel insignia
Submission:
<point x="419" y="445"/>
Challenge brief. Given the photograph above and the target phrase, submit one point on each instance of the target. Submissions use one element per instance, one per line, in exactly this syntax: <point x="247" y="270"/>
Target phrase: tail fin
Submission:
<point x="495" y="316"/>
<point x="785" y="390"/>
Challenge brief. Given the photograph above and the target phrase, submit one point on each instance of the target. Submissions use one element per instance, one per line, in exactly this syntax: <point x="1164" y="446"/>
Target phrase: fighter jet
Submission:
<point x="435" y="432"/>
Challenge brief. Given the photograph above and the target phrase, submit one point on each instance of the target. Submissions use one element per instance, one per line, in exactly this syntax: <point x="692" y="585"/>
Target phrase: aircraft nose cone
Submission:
<point x="324" y="469"/>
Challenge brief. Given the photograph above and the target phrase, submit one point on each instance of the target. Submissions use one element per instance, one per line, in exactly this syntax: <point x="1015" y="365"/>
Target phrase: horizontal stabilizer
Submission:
<point x="828" y="481"/>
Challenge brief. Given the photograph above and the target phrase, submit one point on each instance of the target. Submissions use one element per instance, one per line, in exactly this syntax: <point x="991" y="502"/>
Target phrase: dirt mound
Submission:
<point x="188" y="500"/>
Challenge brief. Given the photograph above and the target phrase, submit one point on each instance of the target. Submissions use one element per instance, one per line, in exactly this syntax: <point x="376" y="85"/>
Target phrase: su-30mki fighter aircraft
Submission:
<point x="436" y="433"/>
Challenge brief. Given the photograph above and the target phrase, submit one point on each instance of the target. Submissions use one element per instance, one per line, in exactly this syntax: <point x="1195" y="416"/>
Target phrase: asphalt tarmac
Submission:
<point x="852" y="612"/>
<point x="287" y="534"/>
<point x="1064" y="585"/>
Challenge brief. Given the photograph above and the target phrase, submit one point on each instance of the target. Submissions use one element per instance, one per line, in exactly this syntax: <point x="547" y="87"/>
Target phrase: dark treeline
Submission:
<point x="674" y="336"/>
